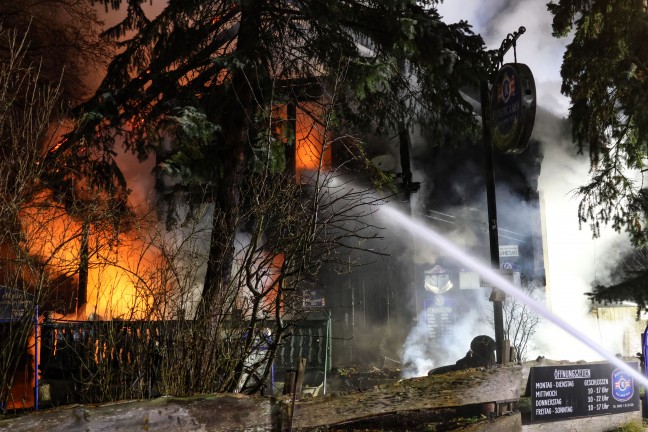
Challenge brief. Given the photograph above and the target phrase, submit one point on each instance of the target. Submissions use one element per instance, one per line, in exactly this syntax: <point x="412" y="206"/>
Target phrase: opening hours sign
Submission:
<point x="561" y="392"/>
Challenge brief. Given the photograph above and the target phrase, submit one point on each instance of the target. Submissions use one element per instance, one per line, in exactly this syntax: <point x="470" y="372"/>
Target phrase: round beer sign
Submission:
<point x="512" y="108"/>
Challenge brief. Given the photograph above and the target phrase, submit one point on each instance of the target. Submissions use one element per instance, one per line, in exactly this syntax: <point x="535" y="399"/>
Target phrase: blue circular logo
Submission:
<point x="506" y="89"/>
<point x="622" y="386"/>
<point x="512" y="108"/>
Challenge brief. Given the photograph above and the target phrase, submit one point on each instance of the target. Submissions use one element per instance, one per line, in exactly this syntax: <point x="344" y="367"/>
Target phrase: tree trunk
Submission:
<point x="84" y="263"/>
<point x="227" y="412"/>
<point x="238" y="130"/>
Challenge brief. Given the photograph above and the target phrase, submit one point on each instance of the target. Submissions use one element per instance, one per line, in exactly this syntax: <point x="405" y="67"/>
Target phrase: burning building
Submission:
<point x="240" y="166"/>
<point x="415" y="304"/>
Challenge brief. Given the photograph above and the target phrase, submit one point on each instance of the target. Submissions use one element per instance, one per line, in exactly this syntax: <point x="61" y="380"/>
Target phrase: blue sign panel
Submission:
<point x="439" y="316"/>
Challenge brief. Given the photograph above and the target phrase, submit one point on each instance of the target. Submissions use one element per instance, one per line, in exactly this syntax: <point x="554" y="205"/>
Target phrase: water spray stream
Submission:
<point x="486" y="272"/>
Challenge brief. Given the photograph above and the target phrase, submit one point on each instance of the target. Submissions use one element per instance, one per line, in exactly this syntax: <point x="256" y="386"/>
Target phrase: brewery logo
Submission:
<point x="437" y="280"/>
<point x="622" y="386"/>
<point x="506" y="112"/>
<point x="506" y="89"/>
<point x="439" y="300"/>
<point x="510" y="266"/>
<point x="512" y="108"/>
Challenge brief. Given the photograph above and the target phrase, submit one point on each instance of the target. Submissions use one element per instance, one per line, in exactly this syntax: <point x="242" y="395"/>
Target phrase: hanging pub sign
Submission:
<point x="512" y="108"/>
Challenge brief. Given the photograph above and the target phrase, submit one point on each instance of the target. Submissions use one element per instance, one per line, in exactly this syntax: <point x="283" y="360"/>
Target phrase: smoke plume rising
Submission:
<point x="573" y="259"/>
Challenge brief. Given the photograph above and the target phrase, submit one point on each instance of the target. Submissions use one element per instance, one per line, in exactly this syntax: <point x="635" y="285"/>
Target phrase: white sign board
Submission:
<point x="506" y="274"/>
<point x="508" y="251"/>
<point x="469" y="280"/>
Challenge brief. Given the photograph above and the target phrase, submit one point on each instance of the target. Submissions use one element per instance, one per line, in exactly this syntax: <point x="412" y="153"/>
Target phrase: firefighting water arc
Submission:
<point x="501" y="283"/>
<point x="288" y="200"/>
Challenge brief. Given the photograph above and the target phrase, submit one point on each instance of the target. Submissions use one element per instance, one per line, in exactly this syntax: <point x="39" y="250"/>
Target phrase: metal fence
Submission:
<point x="75" y="351"/>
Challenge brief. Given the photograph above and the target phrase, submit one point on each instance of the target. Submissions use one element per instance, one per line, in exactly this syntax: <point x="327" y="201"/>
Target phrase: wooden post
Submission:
<point x="506" y="351"/>
<point x="294" y="379"/>
<point x="289" y="382"/>
<point x="513" y="354"/>
<point x="299" y="380"/>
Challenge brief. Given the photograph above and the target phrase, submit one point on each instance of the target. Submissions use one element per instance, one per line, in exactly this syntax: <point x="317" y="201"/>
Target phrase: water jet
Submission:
<point x="426" y="234"/>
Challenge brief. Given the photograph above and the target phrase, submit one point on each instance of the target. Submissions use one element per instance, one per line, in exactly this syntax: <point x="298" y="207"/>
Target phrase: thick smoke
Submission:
<point x="536" y="48"/>
<point x="573" y="260"/>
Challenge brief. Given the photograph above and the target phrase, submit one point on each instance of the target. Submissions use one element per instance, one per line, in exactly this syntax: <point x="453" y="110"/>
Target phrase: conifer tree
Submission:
<point x="604" y="74"/>
<point x="211" y="71"/>
<point x="62" y="41"/>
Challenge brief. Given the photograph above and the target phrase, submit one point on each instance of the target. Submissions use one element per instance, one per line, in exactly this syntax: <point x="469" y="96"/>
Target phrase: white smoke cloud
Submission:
<point x="417" y="355"/>
<point x="536" y="48"/>
<point x="420" y="354"/>
<point x="574" y="260"/>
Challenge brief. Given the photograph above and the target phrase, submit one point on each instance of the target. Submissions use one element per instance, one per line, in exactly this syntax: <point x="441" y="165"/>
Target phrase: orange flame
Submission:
<point x="271" y="287"/>
<point x="119" y="285"/>
<point x="22" y="390"/>
<point x="312" y="152"/>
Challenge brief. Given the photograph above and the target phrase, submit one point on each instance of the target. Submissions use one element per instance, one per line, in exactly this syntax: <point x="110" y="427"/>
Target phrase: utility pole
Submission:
<point x="497" y="296"/>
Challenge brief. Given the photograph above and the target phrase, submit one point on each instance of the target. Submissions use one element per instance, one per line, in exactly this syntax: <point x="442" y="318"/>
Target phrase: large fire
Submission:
<point x="312" y="152"/>
<point x="122" y="276"/>
<point x="120" y="266"/>
<point x="124" y="270"/>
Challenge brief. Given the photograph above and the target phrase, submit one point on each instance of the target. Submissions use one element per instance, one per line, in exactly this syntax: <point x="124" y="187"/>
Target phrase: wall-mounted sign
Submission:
<point x="505" y="273"/>
<point x="439" y="317"/>
<point x="559" y="392"/>
<point x="512" y="108"/>
<point x="314" y="299"/>
<point x="508" y="251"/>
<point x="469" y="280"/>
<point x="14" y="304"/>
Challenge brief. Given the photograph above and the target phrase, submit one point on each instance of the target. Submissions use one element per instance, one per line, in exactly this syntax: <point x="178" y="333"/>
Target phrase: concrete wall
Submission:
<point x="614" y="316"/>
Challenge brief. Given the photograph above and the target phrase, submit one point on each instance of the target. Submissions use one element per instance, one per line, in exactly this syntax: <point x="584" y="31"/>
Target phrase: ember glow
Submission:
<point x="118" y="286"/>
<point x="117" y="263"/>
<point x="311" y="153"/>
<point x="271" y="286"/>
